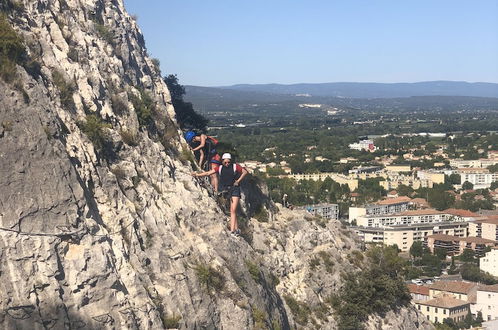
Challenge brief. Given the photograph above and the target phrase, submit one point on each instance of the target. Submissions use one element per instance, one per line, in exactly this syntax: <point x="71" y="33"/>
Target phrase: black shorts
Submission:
<point x="233" y="191"/>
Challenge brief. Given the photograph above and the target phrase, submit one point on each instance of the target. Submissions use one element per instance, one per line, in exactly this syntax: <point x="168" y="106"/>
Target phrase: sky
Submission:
<point x="225" y="42"/>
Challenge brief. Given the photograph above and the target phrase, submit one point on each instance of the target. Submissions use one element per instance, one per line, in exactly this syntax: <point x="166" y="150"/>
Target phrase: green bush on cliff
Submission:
<point x="376" y="289"/>
<point x="94" y="129"/>
<point x="12" y="50"/>
<point x="209" y="277"/>
<point x="261" y="214"/>
<point x="12" y="53"/>
<point x="66" y="89"/>
<point x="144" y="106"/>
<point x="254" y="270"/>
<point x="104" y="32"/>
<point x="299" y="310"/>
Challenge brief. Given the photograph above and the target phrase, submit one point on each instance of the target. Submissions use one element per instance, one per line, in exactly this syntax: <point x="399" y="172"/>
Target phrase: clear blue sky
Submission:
<point x="224" y="42"/>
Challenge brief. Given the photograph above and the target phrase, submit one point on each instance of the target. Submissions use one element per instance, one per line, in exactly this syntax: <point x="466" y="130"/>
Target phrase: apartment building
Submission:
<point x="456" y="245"/>
<point x="394" y="181"/>
<point x="489" y="262"/>
<point x="365" y="169"/>
<point x="404" y="235"/>
<point x="325" y="210"/>
<point x="337" y="177"/>
<point x="432" y="176"/>
<point x="404" y="218"/>
<point x="410" y="217"/>
<point x="367" y="145"/>
<point x="486" y="302"/>
<point x="485" y="228"/>
<point x="481" y="178"/>
<point x="474" y="163"/>
<point x="386" y="206"/>
<point x="440" y="308"/>
<point x="398" y="168"/>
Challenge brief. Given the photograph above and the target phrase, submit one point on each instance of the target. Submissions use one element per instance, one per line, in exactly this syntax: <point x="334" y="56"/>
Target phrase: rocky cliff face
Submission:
<point x="102" y="225"/>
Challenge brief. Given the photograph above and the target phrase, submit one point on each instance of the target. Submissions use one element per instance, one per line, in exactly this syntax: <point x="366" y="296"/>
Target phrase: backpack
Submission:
<point x="215" y="142"/>
<point x="234" y="168"/>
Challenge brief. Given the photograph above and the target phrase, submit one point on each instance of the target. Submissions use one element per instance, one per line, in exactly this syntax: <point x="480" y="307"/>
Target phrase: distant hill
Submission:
<point x="207" y="99"/>
<point x="376" y="90"/>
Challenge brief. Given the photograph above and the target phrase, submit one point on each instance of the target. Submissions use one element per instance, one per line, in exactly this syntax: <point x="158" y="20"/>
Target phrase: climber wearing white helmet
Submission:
<point x="230" y="176"/>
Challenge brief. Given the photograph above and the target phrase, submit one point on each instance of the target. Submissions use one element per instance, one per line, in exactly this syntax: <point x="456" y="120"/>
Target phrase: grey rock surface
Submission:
<point x="112" y="232"/>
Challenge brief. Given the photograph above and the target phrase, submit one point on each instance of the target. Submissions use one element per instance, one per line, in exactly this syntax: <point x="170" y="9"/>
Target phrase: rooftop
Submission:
<point x="491" y="219"/>
<point x="397" y="200"/>
<point x="488" y="288"/>
<point x="418" y="289"/>
<point x="421" y="212"/>
<point x="453" y="286"/>
<point x="419" y="201"/>
<point x="461" y="213"/>
<point x="444" y="302"/>
<point x="473" y="170"/>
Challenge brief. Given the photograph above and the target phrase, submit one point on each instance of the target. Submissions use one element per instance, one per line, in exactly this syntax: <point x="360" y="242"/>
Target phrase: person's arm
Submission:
<point x="244" y="173"/>
<point x="201" y="157"/>
<point x="202" y="144"/>
<point x="207" y="173"/>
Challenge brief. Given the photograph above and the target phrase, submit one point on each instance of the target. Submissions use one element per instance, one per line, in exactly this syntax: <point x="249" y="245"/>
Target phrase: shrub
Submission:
<point x="73" y="54"/>
<point x="7" y="125"/>
<point x="261" y="214"/>
<point x="12" y="5"/>
<point x="327" y="262"/>
<point x="321" y="311"/>
<point x="356" y="258"/>
<point x="136" y="181"/>
<point x="471" y="272"/>
<point x="377" y="289"/>
<point x="94" y="129"/>
<point x="119" y="105"/>
<point x="12" y="50"/>
<point x="104" y="32"/>
<point x="157" y="64"/>
<point x="259" y="318"/>
<point x="321" y="221"/>
<point x="187" y="157"/>
<point x="209" y="277"/>
<point x="66" y="89"/>
<point x="313" y="263"/>
<point x="274" y="280"/>
<point x="171" y="322"/>
<point x="254" y="271"/>
<point x="299" y="310"/>
<point x="167" y="138"/>
<point x="144" y="105"/>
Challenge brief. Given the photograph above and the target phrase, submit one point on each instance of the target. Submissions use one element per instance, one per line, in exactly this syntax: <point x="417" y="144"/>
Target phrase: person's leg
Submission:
<point x="233" y="213"/>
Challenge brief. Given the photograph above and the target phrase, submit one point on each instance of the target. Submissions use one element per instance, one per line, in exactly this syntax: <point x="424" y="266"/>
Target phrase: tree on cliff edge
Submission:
<point x="185" y="114"/>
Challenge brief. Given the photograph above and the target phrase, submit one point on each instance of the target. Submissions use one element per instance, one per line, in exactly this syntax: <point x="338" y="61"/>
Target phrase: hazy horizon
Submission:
<point x="350" y="82"/>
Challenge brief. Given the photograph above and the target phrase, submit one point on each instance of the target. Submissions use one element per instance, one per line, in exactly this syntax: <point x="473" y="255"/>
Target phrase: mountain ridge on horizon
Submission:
<point x="373" y="89"/>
